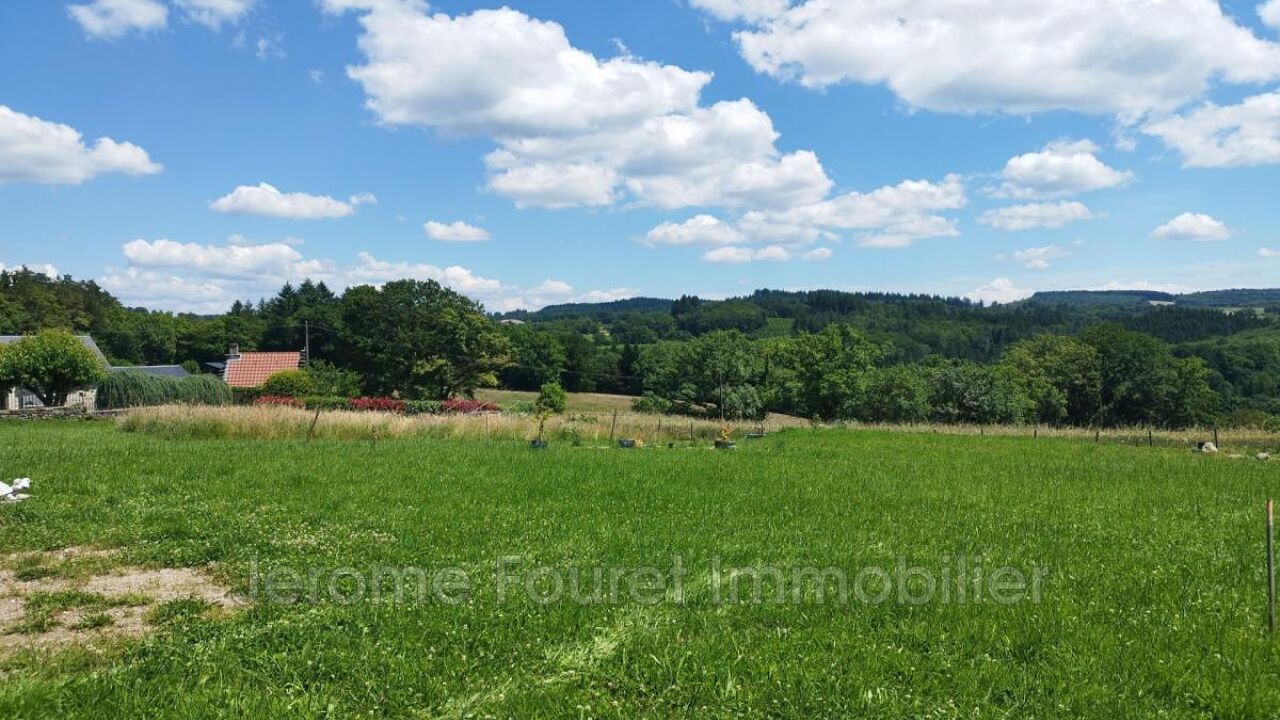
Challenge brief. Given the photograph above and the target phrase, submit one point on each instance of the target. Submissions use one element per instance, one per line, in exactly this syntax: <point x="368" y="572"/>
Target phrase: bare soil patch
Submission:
<point x="53" y="607"/>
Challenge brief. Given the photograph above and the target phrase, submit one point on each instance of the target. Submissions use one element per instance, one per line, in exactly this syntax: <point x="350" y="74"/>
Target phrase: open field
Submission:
<point x="1151" y="601"/>
<point x="578" y="402"/>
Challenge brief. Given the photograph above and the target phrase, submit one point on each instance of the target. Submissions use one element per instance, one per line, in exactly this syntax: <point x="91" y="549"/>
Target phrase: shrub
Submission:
<point x="422" y="407"/>
<point x="332" y="381"/>
<point x="521" y="407"/>
<point x="245" y="396"/>
<point x="552" y="398"/>
<point x="651" y="404"/>
<point x="278" y="400"/>
<point x="378" y="404"/>
<point x="131" y="388"/>
<point x="321" y="402"/>
<point x="466" y="406"/>
<point x="289" y="383"/>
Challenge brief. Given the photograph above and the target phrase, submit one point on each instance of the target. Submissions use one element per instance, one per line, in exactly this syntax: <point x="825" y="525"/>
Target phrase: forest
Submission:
<point x="1088" y="359"/>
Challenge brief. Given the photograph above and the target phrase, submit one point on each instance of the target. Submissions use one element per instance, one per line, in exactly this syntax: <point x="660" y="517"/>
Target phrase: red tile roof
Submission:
<point x="251" y="369"/>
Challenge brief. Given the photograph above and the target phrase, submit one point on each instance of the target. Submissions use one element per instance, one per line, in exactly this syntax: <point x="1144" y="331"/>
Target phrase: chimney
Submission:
<point x="234" y="352"/>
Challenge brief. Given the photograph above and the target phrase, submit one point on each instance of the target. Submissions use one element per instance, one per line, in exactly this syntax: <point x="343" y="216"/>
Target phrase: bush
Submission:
<point x="290" y="383"/>
<point x="332" y="381"/>
<point x="278" y="400"/>
<point x="321" y="402"/>
<point x="552" y="398"/>
<point x="422" y="407"/>
<point x="378" y="404"/>
<point x="131" y="388"/>
<point x="651" y="404"/>
<point x="467" y="406"/>
<point x="521" y="407"/>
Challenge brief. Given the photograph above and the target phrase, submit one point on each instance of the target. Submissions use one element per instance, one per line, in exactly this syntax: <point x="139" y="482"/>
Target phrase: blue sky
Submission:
<point x="557" y="150"/>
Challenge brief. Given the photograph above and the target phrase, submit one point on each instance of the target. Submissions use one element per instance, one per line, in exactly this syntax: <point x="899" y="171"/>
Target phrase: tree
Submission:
<point x="962" y="391"/>
<point x="290" y="383"/>
<point x="822" y="375"/>
<point x="536" y="358"/>
<point x="420" y="339"/>
<point x="552" y="398"/>
<point x="1061" y="376"/>
<point x="897" y="394"/>
<point x="51" y="364"/>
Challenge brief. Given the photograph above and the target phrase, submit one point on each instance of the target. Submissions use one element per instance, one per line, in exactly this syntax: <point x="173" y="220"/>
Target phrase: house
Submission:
<point x="19" y="398"/>
<point x="251" y="369"/>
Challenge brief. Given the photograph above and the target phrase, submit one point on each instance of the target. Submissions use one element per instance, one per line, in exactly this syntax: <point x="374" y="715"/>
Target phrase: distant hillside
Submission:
<point x="596" y="310"/>
<point x="1100" y="298"/>
<point x="1241" y="298"/>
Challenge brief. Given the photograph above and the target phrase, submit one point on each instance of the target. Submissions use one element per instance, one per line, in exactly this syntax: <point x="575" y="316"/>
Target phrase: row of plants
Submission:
<point x="379" y="404"/>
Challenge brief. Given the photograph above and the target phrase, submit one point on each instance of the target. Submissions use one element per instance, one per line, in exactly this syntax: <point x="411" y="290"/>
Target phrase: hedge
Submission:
<point x="131" y="388"/>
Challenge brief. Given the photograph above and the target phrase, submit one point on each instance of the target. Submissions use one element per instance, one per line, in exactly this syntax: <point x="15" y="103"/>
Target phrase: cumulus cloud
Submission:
<point x="267" y="201"/>
<point x="697" y="230"/>
<point x="1247" y="133"/>
<point x="1062" y="168"/>
<point x="233" y="259"/>
<point x="572" y="129"/>
<point x="42" y="268"/>
<point x="113" y="19"/>
<point x="1000" y="290"/>
<point x="748" y="10"/>
<point x="151" y="289"/>
<point x="1039" y="258"/>
<point x="213" y="14"/>
<point x="1270" y="13"/>
<point x="1268" y="253"/>
<point x="39" y="151"/>
<point x="455" y="232"/>
<point x="1095" y="56"/>
<point x="817" y="254"/>
<point x="1036" y="215"/>
<point x="736" y="254"/>
<point x="1192" y="226"/>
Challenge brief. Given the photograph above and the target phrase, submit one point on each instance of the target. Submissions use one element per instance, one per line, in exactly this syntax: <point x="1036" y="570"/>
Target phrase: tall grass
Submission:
<point x="277" y="422"/>
<point x="131" y="388"/>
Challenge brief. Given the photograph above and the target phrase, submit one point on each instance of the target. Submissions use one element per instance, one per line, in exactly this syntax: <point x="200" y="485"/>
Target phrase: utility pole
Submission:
<point x="306" y="352"/>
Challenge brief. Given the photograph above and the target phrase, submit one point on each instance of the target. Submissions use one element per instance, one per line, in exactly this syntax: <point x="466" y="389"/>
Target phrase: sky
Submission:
<point x="187" y="153"/>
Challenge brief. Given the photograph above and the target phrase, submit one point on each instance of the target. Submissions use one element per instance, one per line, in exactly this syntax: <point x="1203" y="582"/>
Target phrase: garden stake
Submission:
<point x="312" y="430"/>
<point x="1271" y="567"/>
<point x="613" y="424"/>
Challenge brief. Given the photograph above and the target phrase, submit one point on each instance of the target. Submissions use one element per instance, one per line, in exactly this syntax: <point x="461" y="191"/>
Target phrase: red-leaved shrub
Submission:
<point x="378" y="404"/>
<point x="278" y="400"/>
<point x="464" y="406"/>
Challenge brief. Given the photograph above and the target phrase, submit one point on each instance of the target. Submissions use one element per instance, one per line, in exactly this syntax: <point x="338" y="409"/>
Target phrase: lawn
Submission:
<point x="1152" y="601"/>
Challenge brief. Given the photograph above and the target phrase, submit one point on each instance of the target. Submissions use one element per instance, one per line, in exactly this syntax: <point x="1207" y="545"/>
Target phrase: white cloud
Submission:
<point x="112" y="19"/>
<point x="736" y="254"/>
<point x="1268" y="253"/>
<point x="364" y="198"/>
<point x="1062" y="168"/>
<point x="270" y="47"/>
<point x="1000" y="290"/>
<point x="748" y="10"/>
<point x="214" y="259"/>
<point x="42" y="268"/>
<point x="1039" y="258"/>
<point x="553" y="287"/>
<point x="1036" y="215"/>
<point x="150" y="289"/>
<point x="1225" y="136"/>
<point x="1192" y="226"/>
<point x="215" y="13"/>
<point x="1270" y="13"/>
<point x="370" y="270"/>
<point x="817" y="254"/>
<point x="267" y="201"/>
<point x="697" y="230"/>
<point x="38" y="151"/>
<point x="572" y="129"/>
<point x="317" y="76"/>
<point x="455" y="232"/>
<point x="1096" y="56"/>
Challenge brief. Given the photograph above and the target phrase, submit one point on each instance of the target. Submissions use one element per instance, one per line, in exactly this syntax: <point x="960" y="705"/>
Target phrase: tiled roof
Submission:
<point x="251" y="369"/>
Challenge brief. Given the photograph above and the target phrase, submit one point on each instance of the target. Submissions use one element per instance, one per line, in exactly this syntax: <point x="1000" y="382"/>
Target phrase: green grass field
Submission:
<point x="1153" y="603"/>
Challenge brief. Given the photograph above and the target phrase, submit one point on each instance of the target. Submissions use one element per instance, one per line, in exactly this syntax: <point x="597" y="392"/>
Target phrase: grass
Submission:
<point x="1153" y="604"/>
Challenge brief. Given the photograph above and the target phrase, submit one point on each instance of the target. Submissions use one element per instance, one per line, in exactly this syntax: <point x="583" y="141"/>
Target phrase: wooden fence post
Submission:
<point x="613" y="425"/>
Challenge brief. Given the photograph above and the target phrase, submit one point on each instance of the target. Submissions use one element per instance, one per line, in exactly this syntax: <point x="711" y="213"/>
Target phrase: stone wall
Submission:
<point x="58" y="413"/>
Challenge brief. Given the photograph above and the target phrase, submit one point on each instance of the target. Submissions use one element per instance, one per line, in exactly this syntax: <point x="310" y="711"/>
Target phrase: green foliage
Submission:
<point x="422" y="407"/>
<point x="536" y="358"/>
<point x="291" y="383"/>
<point x="651" y="404"/>
<point x="323" y="402"/>
<point x="552" y="398"/>
<point x="898" y="394"/>
<point x="966" y="392"/>
<point x="329" y="379"/>
<point x="51" y="364"/>
<point x="132" y="388"/>
<point x="421" y="339"/>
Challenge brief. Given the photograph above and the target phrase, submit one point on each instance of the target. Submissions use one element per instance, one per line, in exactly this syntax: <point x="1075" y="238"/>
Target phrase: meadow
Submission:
<point x="1152" y="603"/>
